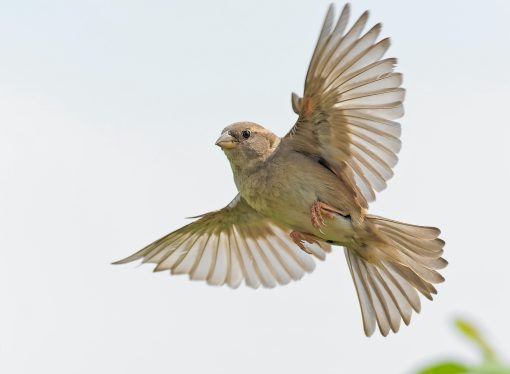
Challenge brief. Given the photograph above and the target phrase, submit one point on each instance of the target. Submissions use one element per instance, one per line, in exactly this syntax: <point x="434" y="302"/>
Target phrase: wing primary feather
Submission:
<point x="161" y="263"/>
<point x="389" y="138"/>
<point x="239" y="255"/>
<point x="249" y="263"/>
<point x="230" y="263"/>
<point x="382" y="82"/>
<point x="251" y="257"/>
<point x="394" y="126"/>
<point x="346" y="44"/>
<point x="378" y="68"/>
<point x="159" y="245"/>
<point x="351" y="51"/>
<point x="380" y="47"/>
<point x="214" y="259"/>
<point x="325" y="32"/>
<point x="198" y="259"/>
<point x="329" y="48"/>
<point x="184" y="255"/>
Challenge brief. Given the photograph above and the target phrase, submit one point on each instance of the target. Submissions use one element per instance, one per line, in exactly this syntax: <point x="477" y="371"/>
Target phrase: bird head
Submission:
<point x="247" y="144"/>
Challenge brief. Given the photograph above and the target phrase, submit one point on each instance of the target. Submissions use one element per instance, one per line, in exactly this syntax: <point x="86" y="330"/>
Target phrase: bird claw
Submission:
<point x="300" y="237"/>
<point x="320" y="210"/>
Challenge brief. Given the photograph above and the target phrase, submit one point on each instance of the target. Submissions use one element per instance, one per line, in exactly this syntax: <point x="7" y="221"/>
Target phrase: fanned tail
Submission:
<point x="389" y="271"/>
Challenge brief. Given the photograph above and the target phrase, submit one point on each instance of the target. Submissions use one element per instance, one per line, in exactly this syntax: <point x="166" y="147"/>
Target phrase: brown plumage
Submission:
<point x="310" y="189"/>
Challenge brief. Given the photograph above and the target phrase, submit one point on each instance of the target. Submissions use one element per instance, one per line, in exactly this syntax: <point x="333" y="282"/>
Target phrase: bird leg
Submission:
<point x="300" y="237"/>
<point x="320" y="210"/>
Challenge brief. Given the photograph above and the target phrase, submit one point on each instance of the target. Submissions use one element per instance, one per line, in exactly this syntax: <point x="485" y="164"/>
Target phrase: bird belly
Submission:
<point x="287" y="188"/>
<point x="290" y="203"/>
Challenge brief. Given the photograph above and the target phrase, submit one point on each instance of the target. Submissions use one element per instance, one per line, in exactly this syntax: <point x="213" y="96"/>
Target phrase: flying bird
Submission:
<point x="303" y="193"/>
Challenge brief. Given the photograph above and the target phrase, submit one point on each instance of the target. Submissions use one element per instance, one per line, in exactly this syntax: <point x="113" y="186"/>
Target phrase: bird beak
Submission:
<point x="226" y="141"/>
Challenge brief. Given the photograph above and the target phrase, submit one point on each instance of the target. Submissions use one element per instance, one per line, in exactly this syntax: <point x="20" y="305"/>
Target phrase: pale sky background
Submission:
<point x="108" y="115"/>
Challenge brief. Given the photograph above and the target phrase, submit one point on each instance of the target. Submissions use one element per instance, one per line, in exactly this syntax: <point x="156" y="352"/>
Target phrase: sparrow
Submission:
<point x="303" y="193"/>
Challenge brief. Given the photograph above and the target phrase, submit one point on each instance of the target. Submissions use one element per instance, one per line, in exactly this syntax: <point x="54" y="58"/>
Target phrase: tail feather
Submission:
<point x="420" y="232"/>
<point x="424" y="248"/>
<point x="389" y="272"/>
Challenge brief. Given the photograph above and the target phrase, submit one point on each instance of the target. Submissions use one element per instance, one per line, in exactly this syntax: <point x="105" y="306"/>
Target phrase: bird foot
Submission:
<point x="300" y="237"/>
<point x="320" y="210"/>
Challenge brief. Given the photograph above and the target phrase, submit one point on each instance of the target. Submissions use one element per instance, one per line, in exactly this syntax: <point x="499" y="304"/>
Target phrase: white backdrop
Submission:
<point x="108" y="115"/>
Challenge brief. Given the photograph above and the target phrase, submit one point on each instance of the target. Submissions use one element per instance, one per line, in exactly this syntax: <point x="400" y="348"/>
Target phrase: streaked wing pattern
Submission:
<point x="231" y="245"/>
<point x="351" y="97"/>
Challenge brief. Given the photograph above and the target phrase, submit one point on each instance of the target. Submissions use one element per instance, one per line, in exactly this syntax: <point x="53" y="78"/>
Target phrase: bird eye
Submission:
<point x="246" y="134"/>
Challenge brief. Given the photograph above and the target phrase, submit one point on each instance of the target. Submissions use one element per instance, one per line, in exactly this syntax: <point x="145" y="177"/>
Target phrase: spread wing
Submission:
<point x="229" y="245"/>
<point x="350" y="98"/>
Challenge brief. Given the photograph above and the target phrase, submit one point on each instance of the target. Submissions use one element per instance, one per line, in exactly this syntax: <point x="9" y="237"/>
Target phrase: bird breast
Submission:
<point x="280" y="190"/>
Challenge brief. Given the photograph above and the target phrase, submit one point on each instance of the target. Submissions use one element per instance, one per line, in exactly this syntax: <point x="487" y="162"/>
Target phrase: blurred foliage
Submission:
<point x="490" y="365"/>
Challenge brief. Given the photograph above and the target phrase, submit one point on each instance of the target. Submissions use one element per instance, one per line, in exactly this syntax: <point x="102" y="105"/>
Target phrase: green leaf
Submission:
<point x="472" y="333"/>
<point x="490" y="368"/>
<point x="445" y="368"/>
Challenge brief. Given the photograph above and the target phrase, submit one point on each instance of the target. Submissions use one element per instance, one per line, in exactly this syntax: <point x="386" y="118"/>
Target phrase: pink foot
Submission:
<point x="300" y="237"/>
<point x="320" y="210"/>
